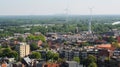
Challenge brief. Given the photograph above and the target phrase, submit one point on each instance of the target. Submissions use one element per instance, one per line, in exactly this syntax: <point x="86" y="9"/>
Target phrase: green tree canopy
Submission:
<point x="90" y="59"/>
<point x="60" y="60"/>
<point x="33" y="46"/>
<point x="7" y="52"/>
<point x="77" y="59"/>
<point x="35" y="55"/>
<point x="93" y="64"/>
<point x="111" y="39"/>
<point x="52" y="56"/>
<point x="115" y="44"/>
<point x="55" y="56"/>
<point x="21" y="39"/>
<point x="14" y="54"/>
<point x="85" y="44"/>
<point x="49" y="55"/>
<point x="36" y="37"/>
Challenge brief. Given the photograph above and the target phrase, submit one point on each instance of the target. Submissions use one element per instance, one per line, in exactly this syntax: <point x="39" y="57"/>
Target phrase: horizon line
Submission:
<point x="60" y="15"/>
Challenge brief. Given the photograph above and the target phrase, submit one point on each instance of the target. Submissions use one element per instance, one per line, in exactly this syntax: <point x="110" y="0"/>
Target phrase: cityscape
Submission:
<point x="30" y="37"/>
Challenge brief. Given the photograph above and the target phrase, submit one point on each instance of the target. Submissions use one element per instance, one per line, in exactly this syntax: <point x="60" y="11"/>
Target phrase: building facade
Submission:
<point x="23" y="49"/>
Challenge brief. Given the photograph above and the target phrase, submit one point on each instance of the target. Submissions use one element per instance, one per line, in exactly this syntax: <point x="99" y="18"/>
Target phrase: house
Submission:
<point x="4" y="64"/>
<point x="37" y="33"/>
<point x="116" y="53"/>
<point x="51" y="65"/>
<point x="39" y="43"/>
<point x="104" y="52"/>
<point x="105" y="46"/>
<point x="18" y="64"/>
<point x="27" y="61"/>
<point x="51" y="36"/>
<point x="40" y="64"/>
<point x="76" y="53"/>
<point x="68" y="54"/>
<point x="70" y="64"/>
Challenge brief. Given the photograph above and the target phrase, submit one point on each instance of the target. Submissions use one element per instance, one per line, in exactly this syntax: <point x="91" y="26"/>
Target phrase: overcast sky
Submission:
<point x="49" y="7"/>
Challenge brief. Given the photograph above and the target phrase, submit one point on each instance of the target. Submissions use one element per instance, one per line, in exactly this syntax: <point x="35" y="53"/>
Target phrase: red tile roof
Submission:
<point x="106" y="46"/>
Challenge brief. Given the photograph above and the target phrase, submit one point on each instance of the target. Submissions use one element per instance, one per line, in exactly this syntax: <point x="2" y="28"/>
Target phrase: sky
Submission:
<point x="56" y="7"/>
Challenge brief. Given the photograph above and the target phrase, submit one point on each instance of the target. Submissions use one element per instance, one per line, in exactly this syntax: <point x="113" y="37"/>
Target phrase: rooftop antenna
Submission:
<point x="89" y="28"/>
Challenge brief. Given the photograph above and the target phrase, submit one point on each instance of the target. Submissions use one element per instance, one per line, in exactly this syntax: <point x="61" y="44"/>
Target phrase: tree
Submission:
<point x="49" y="55"/>
<point x="14" y="54"/>
<point x="31" y="37"/>
<point x="35" y="38"/>
<point x="33" y="46"/>
<point x="107" y="59"/>
<point x="93" y="64"/>
<point x="42" y="38"/>
<point x="55" y="56"/>
<point x="6" y="52"/>
<point x="77" y="59"/>
<point x="1" y="53"/>
<point x="66" y="43"/>
<point x="21" y="39"/>
<point x="0" y="47"/>
<point x="35" y="55"/>
<point x="99" y="37"/>
<point x="111" y="39"/>
<point x="46" y="45"/>
<point x="115" y="44"/>
<point x="52" y="56"/>
<point x="90" y="59"/>
<point x="85" y="44"/>
<point x="61" y="60"/>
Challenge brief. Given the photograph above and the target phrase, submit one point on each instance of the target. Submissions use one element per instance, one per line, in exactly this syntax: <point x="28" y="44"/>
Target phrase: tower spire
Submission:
<point x="89" y="28"/>
<point x="67" y="10"/>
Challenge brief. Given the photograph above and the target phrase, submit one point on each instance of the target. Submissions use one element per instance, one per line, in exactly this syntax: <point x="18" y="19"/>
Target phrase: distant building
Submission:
<point x="51" y="36"/>
<point x="27" y="34"/>
<point x="113" y="33"/>
<point x="17" y="34"/>
<point x="23" y="49"/>
<point x="37" y="33"/>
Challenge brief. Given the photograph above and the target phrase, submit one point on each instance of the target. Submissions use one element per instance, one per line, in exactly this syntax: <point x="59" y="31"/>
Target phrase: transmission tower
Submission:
<point x="89" y="28"/>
